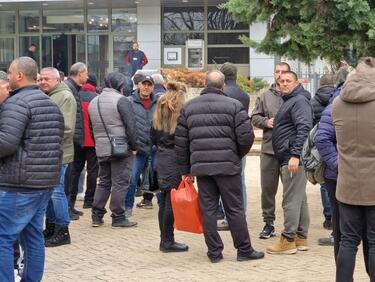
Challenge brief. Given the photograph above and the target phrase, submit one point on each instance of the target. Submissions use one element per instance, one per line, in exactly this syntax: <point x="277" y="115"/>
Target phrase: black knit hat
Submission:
<point x="115" y="80"/>
<point x="92" y="80"/>
<point x="229" y="70"/>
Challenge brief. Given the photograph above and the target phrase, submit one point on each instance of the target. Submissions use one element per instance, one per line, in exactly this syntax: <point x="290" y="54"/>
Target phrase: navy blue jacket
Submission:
<point x="320" y="101"/>
<point x="325" y="140"/>
<point x="293" y="123"/>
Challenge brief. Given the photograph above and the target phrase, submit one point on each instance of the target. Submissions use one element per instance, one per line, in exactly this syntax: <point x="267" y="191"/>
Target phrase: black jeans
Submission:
<point x="114" y="176"/>
<point x="331" y="188"/>
<point x="165" y="216"/>
<point x="81" y="156"/>
<point x="356" y="223"/>
<point x="211" y="188"/>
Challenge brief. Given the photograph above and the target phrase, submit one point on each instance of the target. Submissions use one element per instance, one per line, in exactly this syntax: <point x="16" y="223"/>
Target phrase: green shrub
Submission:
<point x="251" y="86"/>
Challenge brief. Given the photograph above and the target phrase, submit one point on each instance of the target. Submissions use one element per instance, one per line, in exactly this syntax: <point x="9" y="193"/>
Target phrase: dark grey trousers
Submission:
<point x="114" y="176"/>
<point x="269" y="181"/>
<point x="296" y="210"/>
<point x="229" y="188"/>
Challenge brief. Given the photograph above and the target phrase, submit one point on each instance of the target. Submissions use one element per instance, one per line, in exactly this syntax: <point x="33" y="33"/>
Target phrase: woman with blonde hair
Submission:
<point x="162" y="135"/>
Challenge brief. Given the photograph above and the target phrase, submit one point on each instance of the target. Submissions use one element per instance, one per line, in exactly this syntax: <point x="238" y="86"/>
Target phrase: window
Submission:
<point x="225" y="38"/>
<point x="7" y="22"/>
<point x="97" y="19"/>
<point x="97" y="55"/>
<point x="183" y="18"/>
<point x="63" y="20"/>
<point x="29" y="21"/>
<point x="124" y="20"/>
<point x="25" y="42"/>
<point x="220" y="19"/>
<point x="180" y="38"/>
<point x="121" y="45"/>
<point x="236" y="55"/>
<point x="6" y="53"/>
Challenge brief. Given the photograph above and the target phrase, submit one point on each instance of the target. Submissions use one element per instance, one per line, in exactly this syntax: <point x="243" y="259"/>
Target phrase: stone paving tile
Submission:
<point x="106" y="254"/>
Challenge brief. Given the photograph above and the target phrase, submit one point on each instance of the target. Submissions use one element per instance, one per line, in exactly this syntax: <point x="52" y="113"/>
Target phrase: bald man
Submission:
<point x="213" y="134"/>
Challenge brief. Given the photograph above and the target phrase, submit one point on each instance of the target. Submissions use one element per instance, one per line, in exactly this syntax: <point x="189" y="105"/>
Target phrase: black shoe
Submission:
<point x="327" y="224"/>
<point x="87" y="205"/>
<point x="60" y="237"/>
<point x="144" y="204"/>
<point x="252" y="256"/>
<point x="123" y="223"/>
<point x="216" y="259"/>
<point x="173" y="247"/>
<point x="267" y="232"/>
<point x="76" y="211"/>
<point x="50" y="229"/>
<point x="138" y="192"/>
<point x="73" y="216"/>
<point x="96" y="222"/>
<point x="328" y="241"/>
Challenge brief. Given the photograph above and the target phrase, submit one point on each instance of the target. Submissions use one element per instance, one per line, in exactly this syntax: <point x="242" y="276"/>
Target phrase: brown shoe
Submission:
<point x="283" y="247"/>
<point x="302" y="243"/>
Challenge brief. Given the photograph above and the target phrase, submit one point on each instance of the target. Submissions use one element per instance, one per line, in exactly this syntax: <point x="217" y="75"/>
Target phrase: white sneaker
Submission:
<point x="17" y="277"/>
<point x="80" y="196"/>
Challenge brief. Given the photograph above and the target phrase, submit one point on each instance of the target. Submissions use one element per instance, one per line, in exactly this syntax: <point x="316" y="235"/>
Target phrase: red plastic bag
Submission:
<point x="186" y="211"/>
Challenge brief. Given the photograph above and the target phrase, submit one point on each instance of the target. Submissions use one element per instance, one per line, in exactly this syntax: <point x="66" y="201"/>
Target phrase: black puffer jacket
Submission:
<point x="166" y="160"/>
<point x="31" y="136"/>
<point x="143" y="118"/>
<point x="213" y="134"/>
<point x="232" y="90"/>
<point x="293" y="123"/>
<point x="320" y="101"/>
<point x="79" y="131"/>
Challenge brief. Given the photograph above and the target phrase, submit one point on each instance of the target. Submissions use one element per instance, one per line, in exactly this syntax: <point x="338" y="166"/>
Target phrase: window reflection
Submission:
<point x="6" y="53"/>
<point x="180" y="38"/>
<point x="236" y="55"/>
<point x="124" y="20"/>
<point x="225" y="38"/>
<point x="97" y="20"/>
<point x="183" y="18"/>
<point x="220" y="19"/>
<point x="121" y="45"/>
<point x="7" y="22"/>
<point x="29" y="21"/>
<point x="97" y="48"/>
<point x="63" y="20"/>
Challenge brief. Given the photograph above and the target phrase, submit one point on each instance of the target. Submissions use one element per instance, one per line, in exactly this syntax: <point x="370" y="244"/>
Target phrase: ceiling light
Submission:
<point x="91" y="3"/>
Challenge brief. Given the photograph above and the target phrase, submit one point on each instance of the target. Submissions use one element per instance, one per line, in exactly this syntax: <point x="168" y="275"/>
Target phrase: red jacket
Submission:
<point x="86" y="94"/>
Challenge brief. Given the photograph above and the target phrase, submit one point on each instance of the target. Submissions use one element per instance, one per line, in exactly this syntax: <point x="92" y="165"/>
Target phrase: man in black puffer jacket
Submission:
<point x="31" y="135"/>
<point x="293" y="123"/>
<point x="213" y="134"/>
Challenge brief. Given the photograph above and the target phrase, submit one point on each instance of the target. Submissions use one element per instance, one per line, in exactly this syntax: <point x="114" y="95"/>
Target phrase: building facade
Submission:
<point x="179" y="33"/>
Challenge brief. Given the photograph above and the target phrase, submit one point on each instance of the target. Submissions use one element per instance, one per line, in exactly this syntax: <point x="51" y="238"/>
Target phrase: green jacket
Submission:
<point x="65" y="100"/>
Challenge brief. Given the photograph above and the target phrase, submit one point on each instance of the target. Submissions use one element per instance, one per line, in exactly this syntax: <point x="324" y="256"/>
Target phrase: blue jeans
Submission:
<point x="57" y="209"/>
<point x="139" y="165"/>
<point x="325" y="201"/>
<point x="21" y="217"/>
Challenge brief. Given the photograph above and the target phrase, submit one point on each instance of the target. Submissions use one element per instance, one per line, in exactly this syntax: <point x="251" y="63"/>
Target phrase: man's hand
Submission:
<point x="293" y="165"/>
<point x="270" y="123"/>
<point x="4" y="91"/>
<point x="189" y="178"/>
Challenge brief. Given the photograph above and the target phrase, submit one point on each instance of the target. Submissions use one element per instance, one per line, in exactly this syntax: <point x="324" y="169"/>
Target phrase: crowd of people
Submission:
<point x="51" y="128"/>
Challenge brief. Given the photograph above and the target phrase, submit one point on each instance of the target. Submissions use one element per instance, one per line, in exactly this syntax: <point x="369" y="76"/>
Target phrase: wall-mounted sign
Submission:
<point x="172" y="56"/>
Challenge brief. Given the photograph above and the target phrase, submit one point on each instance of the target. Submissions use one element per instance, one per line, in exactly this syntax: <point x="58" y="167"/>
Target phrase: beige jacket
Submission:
<point x="353" y="115"/>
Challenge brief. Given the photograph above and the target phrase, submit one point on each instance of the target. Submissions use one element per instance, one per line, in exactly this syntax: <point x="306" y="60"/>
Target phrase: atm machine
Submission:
<point x="194" y="54"/>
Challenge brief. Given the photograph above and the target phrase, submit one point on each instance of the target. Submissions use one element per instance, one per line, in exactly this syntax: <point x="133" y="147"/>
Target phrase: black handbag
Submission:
<point x="119" y="144"/>
<point x="149" y="180"/>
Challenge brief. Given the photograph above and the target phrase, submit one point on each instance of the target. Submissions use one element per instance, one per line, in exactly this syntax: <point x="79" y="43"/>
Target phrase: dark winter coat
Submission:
<point x="213" y="134"/>
<point x="292" y="125"/>
<point x="320" y="101"/>
<point x="79" y="131"/>
<point x="325" y="139"/>
<point x="266" y="107"/>
<point x="166" y="160"/>
<point x="31" y="138"/>
<point x="143" y="118"/>
<point x="232" y="90"/>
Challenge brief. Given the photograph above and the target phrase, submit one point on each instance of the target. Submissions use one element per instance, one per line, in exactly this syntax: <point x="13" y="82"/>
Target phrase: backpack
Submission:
<point x="311" y="160"/>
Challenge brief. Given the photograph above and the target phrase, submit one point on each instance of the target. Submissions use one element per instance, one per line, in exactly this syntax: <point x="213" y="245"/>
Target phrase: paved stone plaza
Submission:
<point x="106" y="254"/>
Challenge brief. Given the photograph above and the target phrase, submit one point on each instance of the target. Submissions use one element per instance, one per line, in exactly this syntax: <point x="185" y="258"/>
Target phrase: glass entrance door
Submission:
<point x="61" y="51"/>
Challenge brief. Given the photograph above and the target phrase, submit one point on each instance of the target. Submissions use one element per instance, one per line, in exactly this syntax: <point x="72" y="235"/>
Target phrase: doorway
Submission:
<point x="62" y="50"/>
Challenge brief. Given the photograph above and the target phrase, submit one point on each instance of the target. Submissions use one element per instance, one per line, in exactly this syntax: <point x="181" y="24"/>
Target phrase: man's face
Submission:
<point x="83" y="76"/>
<point x="32" y="49"/>
<point x="14" y="76"/>
<point x="48" y="81"/>
<point x="135" y="47"/>
<point x="4" y="90"/>
<point x="145" y="89"/>
<point x="279" y="69"/>
<point x="287" y="83"/>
